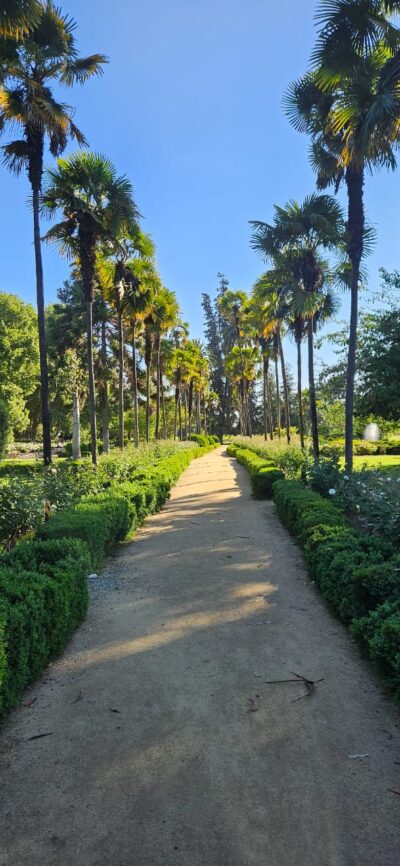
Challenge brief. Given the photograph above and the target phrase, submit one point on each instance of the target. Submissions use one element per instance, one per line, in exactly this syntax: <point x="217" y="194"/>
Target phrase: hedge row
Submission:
<point x="43" y="582"/>
<point x="263" y="473"/>
<point x="358" y="575"/>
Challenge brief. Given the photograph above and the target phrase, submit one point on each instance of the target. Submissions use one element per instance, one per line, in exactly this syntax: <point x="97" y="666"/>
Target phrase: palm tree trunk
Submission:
<point x="135" y="388"/>
<point x="269" y="400"/>
<point x="176" y="410"/>
<point x="278" y="398"/>
<point x="311" y="380"/>
<point x="164" y="418"/>
<point x="355" y="229"/>
<point x="121" y="431"/>
<point x="147" y="402"/>
<point x="157" y="388"/>
<point x="44" y="377"/>
<point x="92" y="389"/>
<point x="185" y="407"/>
<point x="104" y="389"/>
<point x="299" y="394"/>
<point x="76" y="426"/>
<point x="285" y="389"/>
<point x="180" y="416"/>
<point x="205" y="415"/>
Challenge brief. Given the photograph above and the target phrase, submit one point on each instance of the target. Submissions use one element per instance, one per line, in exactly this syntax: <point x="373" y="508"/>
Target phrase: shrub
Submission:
<point x="379" y="635"/>
<point x="262" y="481"/>
<point x="43" y="597"/>
<point x="4" y="428"/>
<point x="100" y="521"/>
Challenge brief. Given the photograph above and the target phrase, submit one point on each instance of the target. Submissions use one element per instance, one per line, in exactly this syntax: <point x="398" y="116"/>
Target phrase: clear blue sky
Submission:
<point x="190" y="108"/>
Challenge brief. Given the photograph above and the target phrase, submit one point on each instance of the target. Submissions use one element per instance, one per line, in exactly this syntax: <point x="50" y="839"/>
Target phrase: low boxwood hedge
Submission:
<point x="43" y="582"/>
<point x="43" y="597"/>
<point x="263" y="473"/>
<point x="358" y="575"/>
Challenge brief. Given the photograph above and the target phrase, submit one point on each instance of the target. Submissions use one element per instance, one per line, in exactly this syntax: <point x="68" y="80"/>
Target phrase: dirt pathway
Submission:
<point x="162" y="760"/>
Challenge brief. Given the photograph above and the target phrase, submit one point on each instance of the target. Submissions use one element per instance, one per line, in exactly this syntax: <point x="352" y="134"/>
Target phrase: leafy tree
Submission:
<point x="97" y="205"/>
<point x="19" y="358"/>
<point x="349" y="105"/>
<point x="45" y="54"/>
<point x="293" y="242"/>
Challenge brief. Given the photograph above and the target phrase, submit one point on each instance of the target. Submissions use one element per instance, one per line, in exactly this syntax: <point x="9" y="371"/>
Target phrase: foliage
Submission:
<point x="379" y="636"/>
<point x="43" y="597"/>
<point x="263" y="473"/>
<point x="4" y="427"/>
<point x="19" y="357"/>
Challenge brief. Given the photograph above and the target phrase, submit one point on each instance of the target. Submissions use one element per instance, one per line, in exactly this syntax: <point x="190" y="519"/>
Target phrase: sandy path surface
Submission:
<point x="164" y="759"/>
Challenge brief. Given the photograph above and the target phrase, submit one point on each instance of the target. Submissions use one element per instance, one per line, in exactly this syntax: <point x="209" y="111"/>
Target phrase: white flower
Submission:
<point x="345" y="477"/>
<point x="332" y="491"/>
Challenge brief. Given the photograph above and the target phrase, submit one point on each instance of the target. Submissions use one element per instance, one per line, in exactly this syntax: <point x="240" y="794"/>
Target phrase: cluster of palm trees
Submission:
<point x="98" y="227"/>
<point x="348" y="103"/>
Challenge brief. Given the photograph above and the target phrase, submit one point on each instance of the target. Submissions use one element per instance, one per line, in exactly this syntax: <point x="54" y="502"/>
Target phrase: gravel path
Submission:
<point x="165" y="745"/>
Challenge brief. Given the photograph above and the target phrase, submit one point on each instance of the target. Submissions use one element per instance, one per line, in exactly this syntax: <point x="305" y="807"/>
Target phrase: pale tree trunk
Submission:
<point x="44" y="378"/>
<point x="180" y="417"/>
<point x="355" y="231"/>
<point x="135" y="389"/>
<point x="265" y="412"/>
<point x="104" y="407"/>
<point x="278" y="398"/>
<point x="164" y="417"/>
<point x="92" y="389"/>
<point x="311" y="379"/>
<point x="158" y="388"/>
<point x="76" y="426"/>
<point x="299" y="394"/>
<point x="285" y="389"/>
<point x="121" y="430"/>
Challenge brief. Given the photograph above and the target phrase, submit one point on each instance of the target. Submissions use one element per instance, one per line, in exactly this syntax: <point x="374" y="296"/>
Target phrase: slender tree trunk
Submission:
<point x="269" y="401"/>
<point x="299" y="394"/>
<point x="285" y="389"/>
<point x="76" y="426"/>
<point x="265" y="412"/>
<point x="44" y="377"/>
<point x="104" y="391"/>
<point x="185" y="408"/>
<point x="278" y="398"/>
<point x="158" y="388"/>
<point x="180" y="417"/>
<point x="248" y="412"/>
<point x="311" y="380"/>
<point x="92" y="389"/>
<point x="355" y="229"/>
<point x="147" y="402"/>
<point x="121" y="430"/>
<point x="164" y="418"/>
<point x="135" y="388"/>
<point x="205" y="416"/>
<point x="176" y="410"/>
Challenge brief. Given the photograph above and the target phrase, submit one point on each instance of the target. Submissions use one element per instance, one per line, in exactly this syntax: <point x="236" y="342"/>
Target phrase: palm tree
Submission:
<point x="232" y="306"/>
<point x="270" y="297"/>
<point x="294" y="242"/>
<point x="349" y="105"/>
<point x="139" y="299"/>
<point x="97" y="205"/>
<point x="45" y="54"/>
<point x="17" y="17"/>
<point x="165" y="314"/>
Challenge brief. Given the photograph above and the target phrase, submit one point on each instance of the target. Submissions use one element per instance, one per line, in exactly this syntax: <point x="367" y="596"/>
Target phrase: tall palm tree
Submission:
<point x="97" y="205"/>
<point x="44" y="55"/>
<point x="165" y="315"/>
<point x="139" y="299"/>
<point x="350" y="106"/>
<point x="17" y="17"/>
<point x="119" y="281"/>
<point x="270" y="296"/>
<point x="232" y="306"/>
<point x="293" y="242"/>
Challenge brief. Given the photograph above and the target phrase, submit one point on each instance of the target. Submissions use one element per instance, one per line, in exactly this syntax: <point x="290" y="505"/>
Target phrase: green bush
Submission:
<point x="100" y="521"/>
<point x="4" y="428"/>
<point x="263" y="473"/>
<point x="379" y="635"/>
<point x="262" y="481"/>
<point x="43" y="597"/>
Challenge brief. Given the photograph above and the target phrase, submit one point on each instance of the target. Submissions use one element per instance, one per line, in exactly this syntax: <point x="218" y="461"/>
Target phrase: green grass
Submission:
<point x="389" y="463"/>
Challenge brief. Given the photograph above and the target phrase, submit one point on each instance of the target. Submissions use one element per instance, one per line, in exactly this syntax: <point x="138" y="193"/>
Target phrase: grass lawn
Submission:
<point x="389" y="463"/>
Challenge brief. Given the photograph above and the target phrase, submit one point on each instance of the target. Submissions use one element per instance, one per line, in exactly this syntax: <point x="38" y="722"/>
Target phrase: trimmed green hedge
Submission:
<point x="358" y="575"/>
<point x="263" y="473"/>
<point x="43" y="583"/>
<point x="43" y="597"/>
